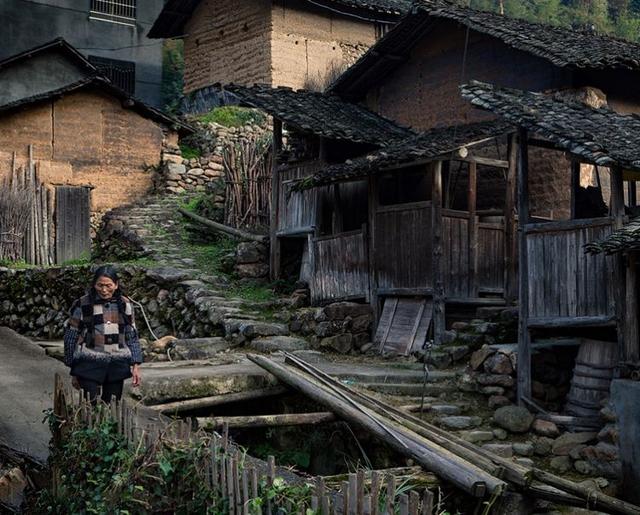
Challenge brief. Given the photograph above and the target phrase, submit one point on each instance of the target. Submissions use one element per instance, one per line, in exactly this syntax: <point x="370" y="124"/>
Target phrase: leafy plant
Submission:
<point x="189" y="152"/>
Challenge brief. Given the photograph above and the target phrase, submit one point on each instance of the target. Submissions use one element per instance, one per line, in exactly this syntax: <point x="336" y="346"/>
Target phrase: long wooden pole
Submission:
<point x="274" y="252"/>
<point x="472" y="193"/>
<point x="218" y="400"/>
<point x="231" y="231"/>
<point x="437" y="265"/>
<point x="288" y="419"/>
<point x="433" y="457"/>
<point x="524" y="350"/>
<point x="510" y="252"/>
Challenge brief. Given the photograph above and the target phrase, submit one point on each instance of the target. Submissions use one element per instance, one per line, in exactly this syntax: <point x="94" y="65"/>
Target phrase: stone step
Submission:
<point x="430" y="389"/>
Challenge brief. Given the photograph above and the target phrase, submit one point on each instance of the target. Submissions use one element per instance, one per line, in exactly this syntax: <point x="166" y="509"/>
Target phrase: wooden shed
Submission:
<point x="425" y="244"/>
<point x="561" y="286"/>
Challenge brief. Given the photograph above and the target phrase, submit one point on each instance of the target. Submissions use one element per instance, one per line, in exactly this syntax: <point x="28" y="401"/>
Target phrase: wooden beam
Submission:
<point x="587" y="321"/>
<point x="631" y="342"/>
<point x="372" y="206"/>
<point x="251" y="421"/>
<point x="510" y="245"/>
<point x="618" y="266"/>
<point x="221" y="228"/>
<point x="567" y="225"/>
<point x="274" y="247"/>
<point x="524" y="350"/>
<point x="437" y="264"/>
<point x="575" y="186"/>
<point x="486" y="161"/>
<point x="472" y="233"/>
<point x="218" y="400"/>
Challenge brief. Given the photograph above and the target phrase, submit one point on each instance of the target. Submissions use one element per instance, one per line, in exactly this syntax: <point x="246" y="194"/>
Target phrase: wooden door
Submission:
<point x="73" y="216"/>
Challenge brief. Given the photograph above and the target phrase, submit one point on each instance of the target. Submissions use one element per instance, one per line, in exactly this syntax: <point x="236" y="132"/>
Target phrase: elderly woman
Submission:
<point x="101" y="341"/>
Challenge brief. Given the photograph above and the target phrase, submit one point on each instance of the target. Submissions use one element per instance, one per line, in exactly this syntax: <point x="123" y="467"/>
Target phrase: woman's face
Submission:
<point x="105" y="287"/>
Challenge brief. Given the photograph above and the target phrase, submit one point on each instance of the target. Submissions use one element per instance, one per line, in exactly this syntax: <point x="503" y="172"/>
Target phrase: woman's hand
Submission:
<point x="75" y="383"/>
<point x="135" y="373"/>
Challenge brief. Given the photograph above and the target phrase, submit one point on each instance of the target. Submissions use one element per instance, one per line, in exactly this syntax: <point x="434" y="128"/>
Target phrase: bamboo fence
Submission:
<point x="26" y="216"/>
<point x="238" y="483"/>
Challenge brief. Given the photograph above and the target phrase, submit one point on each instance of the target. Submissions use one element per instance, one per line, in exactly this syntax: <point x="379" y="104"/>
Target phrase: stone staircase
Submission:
<point x="158" y="224"/>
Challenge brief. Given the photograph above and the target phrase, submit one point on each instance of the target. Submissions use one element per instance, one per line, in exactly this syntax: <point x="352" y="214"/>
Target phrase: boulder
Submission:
<point x="503" y="450"/>
<point x="250" y="252"/>
<point x="542" y="446"/>
<point x="341" y="343"/>
<point x="545" y="428"/>
<point x="479" y="357"/>
<point x="460" y="422"/>
<point x="563" y="445"/>
<point x="497" y="401"/>
<point x="498" y="364"/>
<point x="523" y="449"/>
<point x="561" y="464"/>
<point x="252" y="270"/>
<point x="253" y="329"/>
<point x="279" y="343"/>
<point x="515" y="419"/>
<point x="342" y="310"/>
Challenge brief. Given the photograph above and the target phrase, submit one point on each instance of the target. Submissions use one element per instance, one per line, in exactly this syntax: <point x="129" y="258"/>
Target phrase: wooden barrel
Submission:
<point x="592" y="375"/>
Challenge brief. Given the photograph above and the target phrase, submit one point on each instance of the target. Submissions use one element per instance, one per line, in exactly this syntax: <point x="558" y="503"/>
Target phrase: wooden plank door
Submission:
<point x="404" y="325"/>
<point x="73" y="216"/>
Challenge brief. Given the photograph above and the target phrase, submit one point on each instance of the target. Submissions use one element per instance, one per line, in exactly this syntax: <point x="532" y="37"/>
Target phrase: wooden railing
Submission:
<point x="563" y="280"/>
<point x="341" y="267"/>
<point x="239" y="480"/>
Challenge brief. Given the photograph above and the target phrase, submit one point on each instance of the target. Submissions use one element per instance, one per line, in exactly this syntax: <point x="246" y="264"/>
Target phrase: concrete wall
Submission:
<point x="228" y="41"/>
<point x="85" y="138"/>
<point x="29" y="23"/>
<point x="309" y="45"/>
<point x="42" y="73"/>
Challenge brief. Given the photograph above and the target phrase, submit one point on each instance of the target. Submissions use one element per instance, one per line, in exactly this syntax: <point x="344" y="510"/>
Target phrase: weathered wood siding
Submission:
<point x="491" y="273"/>
<point x="297" y="209"/>
<point x="563" y="280"/>
<point x="403" y="246"/>
<point x="73" y="239"/>
<point x="455" y="239"/>
<point x="340" y="267"/>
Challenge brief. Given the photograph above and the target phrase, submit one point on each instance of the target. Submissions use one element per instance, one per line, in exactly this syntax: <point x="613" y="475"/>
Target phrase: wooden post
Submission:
<point x="575" y="186"/>
<point x="437" y="268"/>
<point x="631" y="348"/>
<point x="371" y="232"/>
<point x="625" y="324"/>
<point x="472" y="193"/>
<point x="632" y="194"/>
<point x="510" y="278"/>
<point x="274" y="260"/>
<point x="524" y="348"/>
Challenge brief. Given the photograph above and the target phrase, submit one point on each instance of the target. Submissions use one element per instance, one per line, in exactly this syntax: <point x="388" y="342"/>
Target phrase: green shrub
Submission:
<point x="233" y="116"/>
<point x="189" y="152"/>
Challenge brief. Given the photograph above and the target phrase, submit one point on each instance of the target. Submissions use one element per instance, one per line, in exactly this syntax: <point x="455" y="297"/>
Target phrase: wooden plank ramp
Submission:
<point x="404" y="325"/>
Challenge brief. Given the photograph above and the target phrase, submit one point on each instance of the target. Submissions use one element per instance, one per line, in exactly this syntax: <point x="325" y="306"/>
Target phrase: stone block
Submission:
<point x="460" y="422"/>
<point x="279" y="343"/>
<point x="545" y="428"/>
<point x="253" y="329"/>
<point x="499" y="449"/>
<point x="498" y="364"/>
<point x="342" y="310"/>
<point x="563" y="445"/>
<point x="515" y="419"/>
<point x="341" y="343"/>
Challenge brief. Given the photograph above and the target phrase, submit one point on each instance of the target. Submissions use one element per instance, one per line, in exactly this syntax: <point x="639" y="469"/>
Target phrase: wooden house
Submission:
<point x="296" y="43"/>
<point x="85" y="145"/>
<point x="562" y="287"/>
<point x="412" y="75"/>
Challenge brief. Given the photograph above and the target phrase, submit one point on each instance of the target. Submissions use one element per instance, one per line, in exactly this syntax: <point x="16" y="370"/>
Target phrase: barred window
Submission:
<point x="121" y="73"/>
<point x="115" y="11"/>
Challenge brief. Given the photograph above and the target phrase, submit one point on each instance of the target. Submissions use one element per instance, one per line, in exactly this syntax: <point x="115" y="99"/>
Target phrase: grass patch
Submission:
<point x="190" y="152"/>
<point x="16" y="265"/>
<point x="208" y="257"/>
<point x="253" y="292"/>
<point x="233" y="116"/>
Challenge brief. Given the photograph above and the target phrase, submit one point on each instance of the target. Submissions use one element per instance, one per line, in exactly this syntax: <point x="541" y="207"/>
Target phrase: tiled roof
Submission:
<point x="424" y="147"/>
<point x="175" y="13"/>
<point x="598" y="136"/>
<point x="623" y="240"/>
<point x="321" y="114"/>
<point x="562" y="46"/>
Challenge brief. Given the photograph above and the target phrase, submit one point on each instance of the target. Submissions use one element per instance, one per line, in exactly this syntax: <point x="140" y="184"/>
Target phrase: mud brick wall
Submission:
<point x="86" y="139"/>
<point x="307" y="42"/>
<point x="228" y="41"/>
<point x="283" y="43"/>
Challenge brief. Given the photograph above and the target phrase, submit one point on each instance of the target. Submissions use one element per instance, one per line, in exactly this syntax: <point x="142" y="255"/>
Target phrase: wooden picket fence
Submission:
<point x="239" y="480"/>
